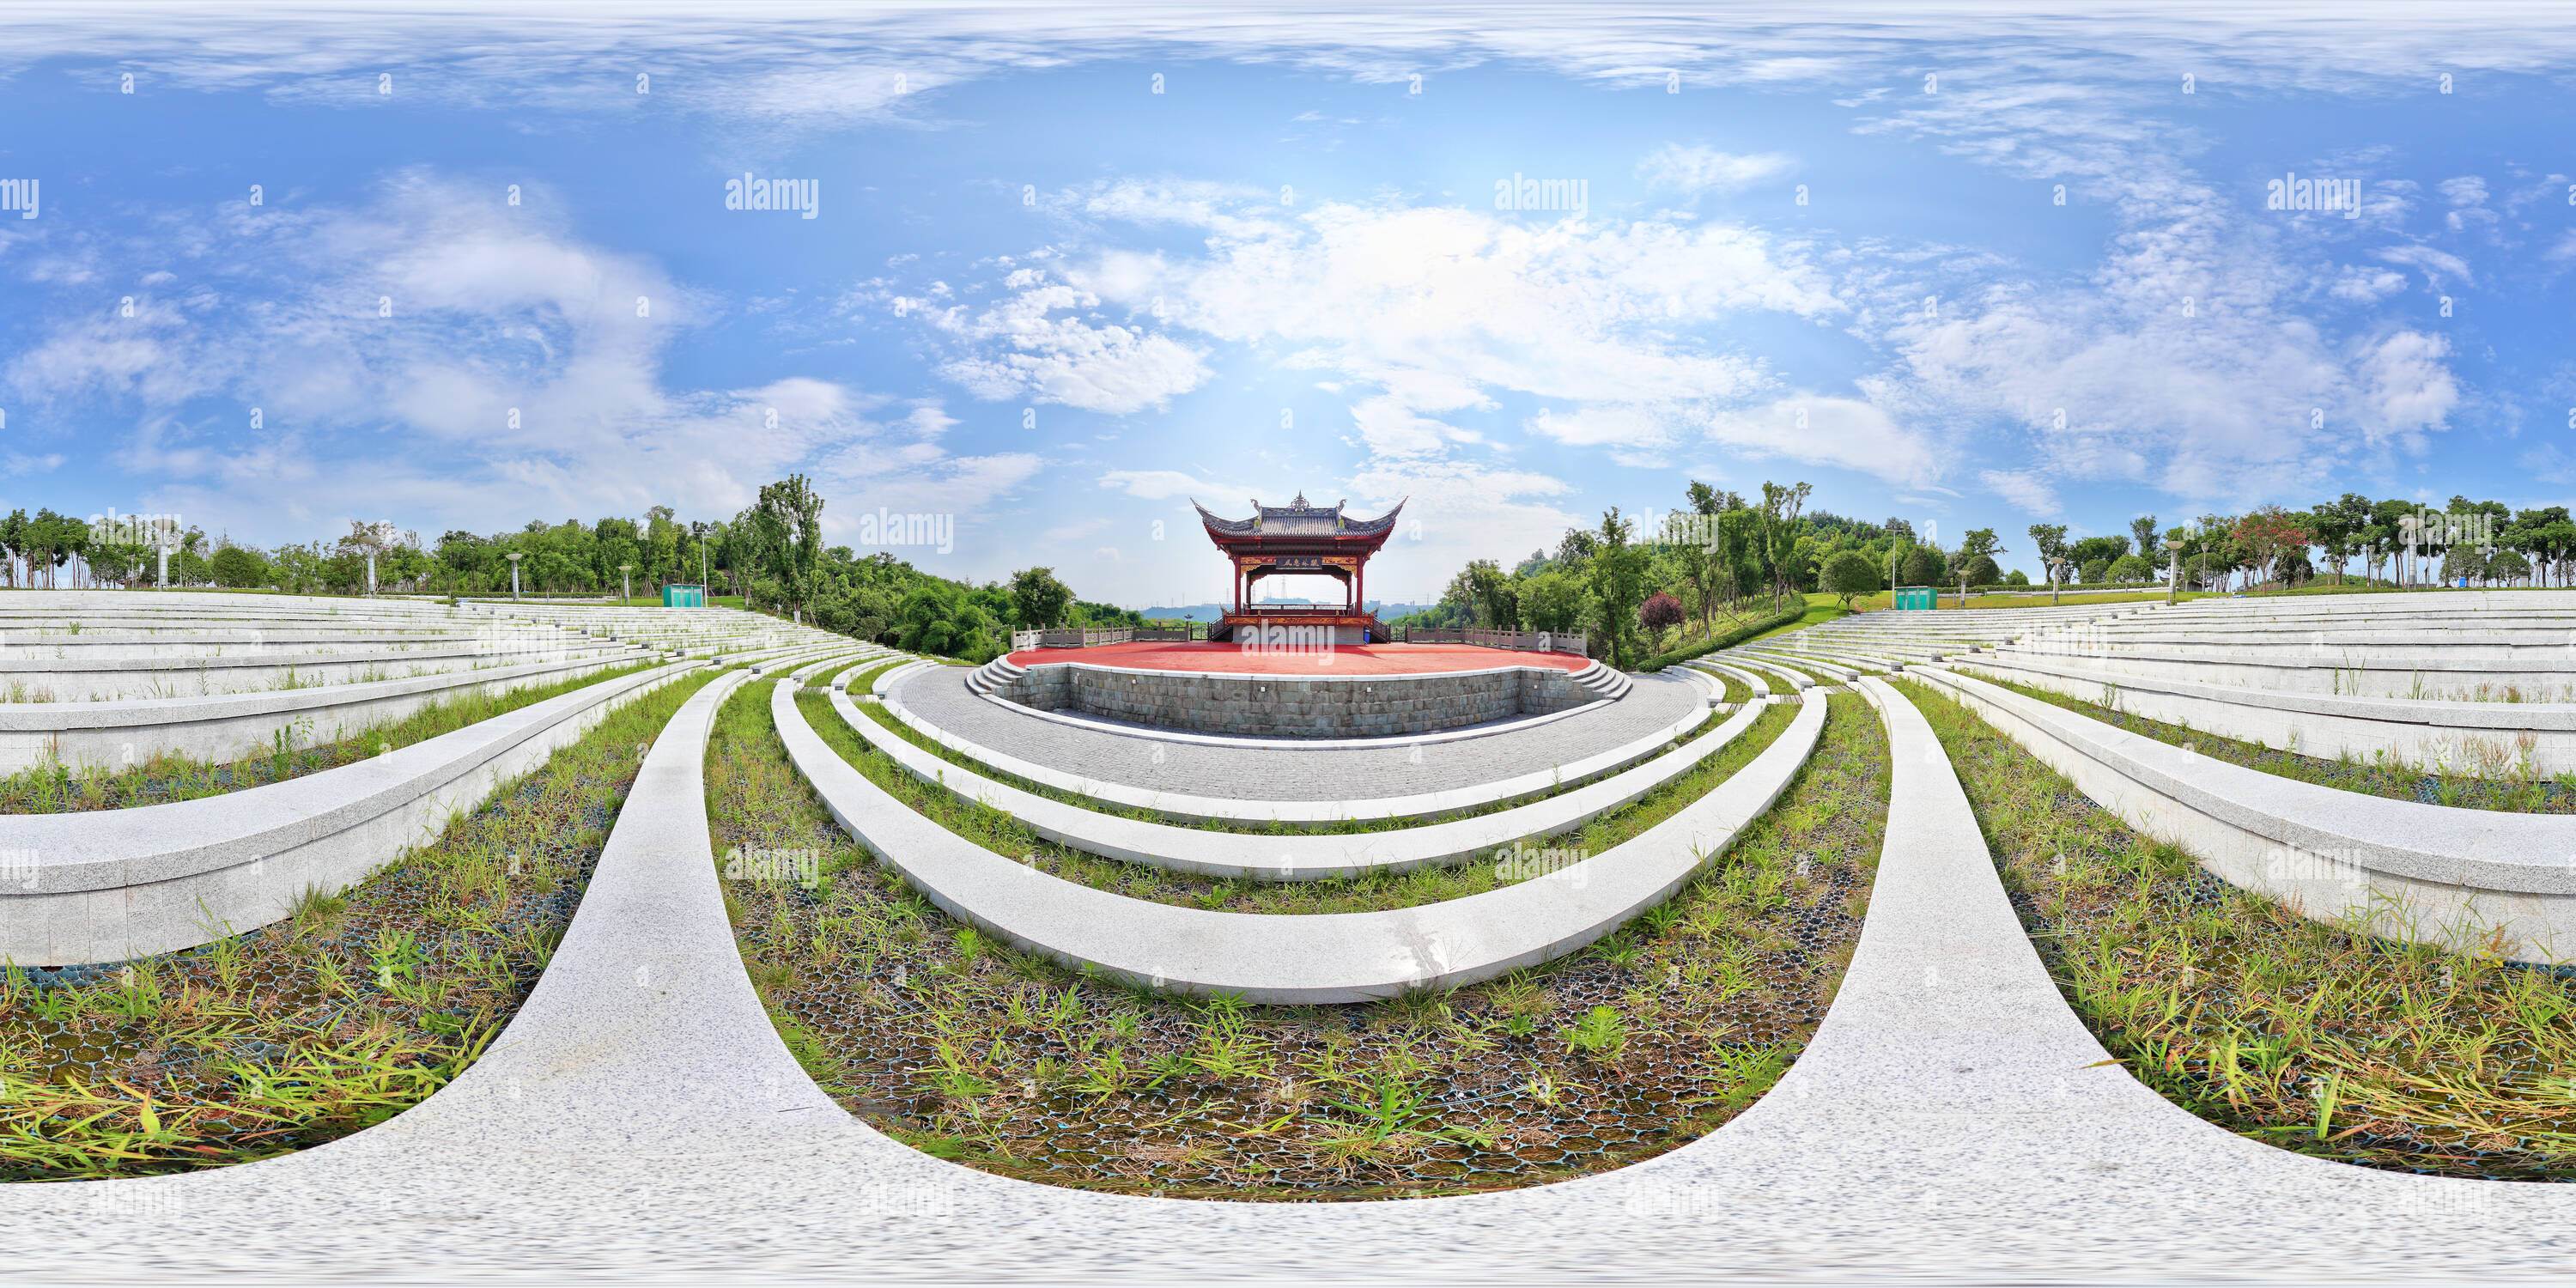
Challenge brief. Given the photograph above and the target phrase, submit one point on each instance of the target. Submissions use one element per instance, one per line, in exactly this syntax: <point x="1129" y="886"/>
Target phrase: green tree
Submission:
<point x="1618" y="584"/>
<point x="1038" y="600"/>
<point x="1780" y="507"/>
<point x="1496" y="599"/>
<point x="1552" y="600"/>
<point x="1851" y="573"/>
<point x="239" y="567"/>
<point x="2049" y="539"/>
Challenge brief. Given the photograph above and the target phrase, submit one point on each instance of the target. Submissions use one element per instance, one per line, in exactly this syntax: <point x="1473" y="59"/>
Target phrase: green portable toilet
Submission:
<point x="1917" y="597"/>
<point x="679" y="596"/>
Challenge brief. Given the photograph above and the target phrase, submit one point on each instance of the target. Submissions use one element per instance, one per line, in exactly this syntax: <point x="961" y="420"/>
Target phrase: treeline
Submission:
<point x="1644" y="586"/>
<point x="1651" y="587"/>
<point x="771" y="555"/>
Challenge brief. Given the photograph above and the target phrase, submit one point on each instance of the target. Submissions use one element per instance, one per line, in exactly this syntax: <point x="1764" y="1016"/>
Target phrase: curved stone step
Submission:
<point x="112" y="885"/>
<point x="1296" y="959"/>
<point x="1308" y="857"/>
<point x="1182" y="805"/>
<point x="2419" y="872"/>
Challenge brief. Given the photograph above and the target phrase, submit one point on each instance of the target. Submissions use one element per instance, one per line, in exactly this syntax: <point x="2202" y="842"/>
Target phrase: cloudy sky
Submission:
<point x="1066" y="268"/>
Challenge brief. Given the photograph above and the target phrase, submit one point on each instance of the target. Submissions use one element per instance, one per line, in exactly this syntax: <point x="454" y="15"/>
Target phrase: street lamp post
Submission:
<point x="2173" y="570"/>
<point x="625" y="579"/>
<point x="515" y="557"/>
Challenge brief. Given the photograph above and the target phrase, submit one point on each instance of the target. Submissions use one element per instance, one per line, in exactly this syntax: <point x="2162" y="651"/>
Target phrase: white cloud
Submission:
<point x="2467" y="190"/>
<point x="1044" y="343"/>
<point x="2435" y="265"/>
<point x="494" y="314"/>
<point x="2024" y="490"/>
<point x="1698" y="168"/>
<point x="1418" y="313"/>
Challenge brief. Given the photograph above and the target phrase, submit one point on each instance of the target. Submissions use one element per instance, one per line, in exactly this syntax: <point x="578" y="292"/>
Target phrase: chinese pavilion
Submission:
<point x="1301" y="538"/>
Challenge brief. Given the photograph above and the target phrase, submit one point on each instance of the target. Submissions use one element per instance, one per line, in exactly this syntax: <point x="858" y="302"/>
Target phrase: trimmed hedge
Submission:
<point x="1788" y="617"/>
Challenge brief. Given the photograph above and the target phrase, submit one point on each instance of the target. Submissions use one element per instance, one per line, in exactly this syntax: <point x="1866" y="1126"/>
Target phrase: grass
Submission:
<point x="358" y="1007"/>
<point x="970" y="1051"/>
<point x="1370" y="893"/>
<point x="967" y="817"/>
<point x="166" y="777"/>
<point x="1780" y="684"/>
<point x="1820" y="608"/>
<point x="1269" y="827"/>
<point x="1736" y="693"/>
<point x="1807" y="671"/>
<point x="864" y="680"/>
<point x="2317" y="1037"/>
<point x="2496" y="776"/>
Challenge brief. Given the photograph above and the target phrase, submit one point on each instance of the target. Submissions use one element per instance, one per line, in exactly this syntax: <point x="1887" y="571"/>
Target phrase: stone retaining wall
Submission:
<point x="1298" y="706"/>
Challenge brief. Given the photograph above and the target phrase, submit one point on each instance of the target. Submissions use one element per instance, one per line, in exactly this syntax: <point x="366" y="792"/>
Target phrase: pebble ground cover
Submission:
<point x="2495" y="778"/>
<point x="968" y="1050"/>
<point x="355" y="1009"/>
<point x="2316" y="1037"/>
<point x="60" y="789"/>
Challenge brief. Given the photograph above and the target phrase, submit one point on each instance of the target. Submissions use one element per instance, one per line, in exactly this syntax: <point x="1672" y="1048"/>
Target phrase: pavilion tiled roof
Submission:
<point x="1298" y="519"/>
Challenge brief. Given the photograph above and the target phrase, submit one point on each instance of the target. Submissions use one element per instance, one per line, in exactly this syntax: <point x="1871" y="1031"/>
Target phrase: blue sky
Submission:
<point x="1041" y="296"/>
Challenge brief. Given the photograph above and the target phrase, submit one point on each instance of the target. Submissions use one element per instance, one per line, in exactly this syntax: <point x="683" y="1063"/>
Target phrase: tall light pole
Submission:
<point x="2173" y="570"/>
<point x="515" y="557"/>
<point x="625" y="579"/>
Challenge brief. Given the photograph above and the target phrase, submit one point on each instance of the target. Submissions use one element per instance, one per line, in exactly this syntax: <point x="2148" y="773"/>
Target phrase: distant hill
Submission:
<point x="1211" y="612"/>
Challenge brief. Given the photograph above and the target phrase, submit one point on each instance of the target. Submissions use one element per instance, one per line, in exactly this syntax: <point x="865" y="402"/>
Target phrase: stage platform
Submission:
<point x="1347" y="691"/>
<point x="1346" y="660"/>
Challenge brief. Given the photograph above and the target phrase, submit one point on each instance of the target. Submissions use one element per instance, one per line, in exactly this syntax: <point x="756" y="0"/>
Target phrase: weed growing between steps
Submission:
<point x="1004" y="834"/>
<point x="304" y="1031"/>
<point x="887" y="719"/>
<point x="865" y="680"/>
<point x="2316" y="1037"/>
<point x="1735" y="692"/>
<point x="1474" y="875"/>
<point x="963" y="1048"/>
<point x="58" y="789"/>
<point x="1780" y="684"/>
<point x="860" y="678"/>
<point x="2503" y="780"/>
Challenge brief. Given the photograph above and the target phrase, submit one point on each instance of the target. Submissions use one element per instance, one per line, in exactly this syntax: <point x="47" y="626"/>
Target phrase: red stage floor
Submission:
<point x="1346" y="659"/>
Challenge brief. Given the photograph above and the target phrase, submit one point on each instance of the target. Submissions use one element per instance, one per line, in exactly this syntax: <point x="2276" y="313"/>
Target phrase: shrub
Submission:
<point x="1981" y="571"/>
<point x="1660" y="612"/>
<point x="2131" y="568"/>
<point x="239" y="568"/>
<point x="2017" y="578"/>
<point x="2095" y="573"/>
<point x="1850" y="573"/>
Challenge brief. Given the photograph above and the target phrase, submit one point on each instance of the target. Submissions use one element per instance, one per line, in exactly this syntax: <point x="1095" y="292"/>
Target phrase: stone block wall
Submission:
<point x="1299" y="706"/>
